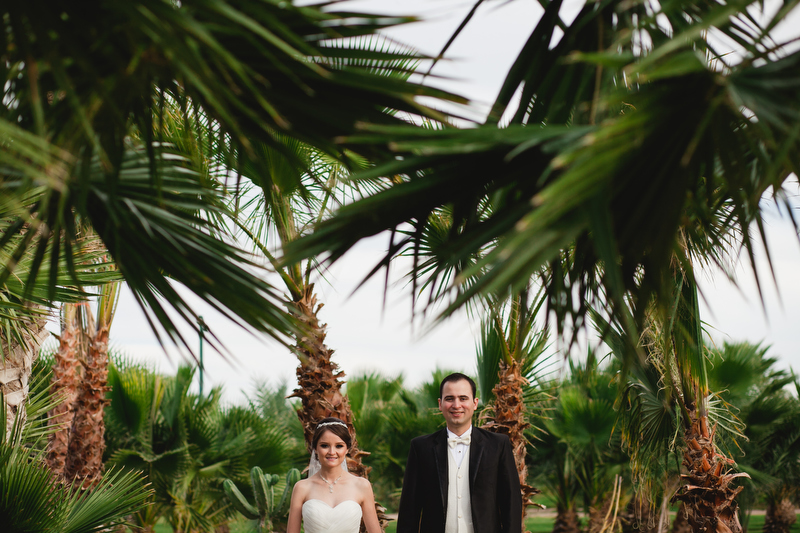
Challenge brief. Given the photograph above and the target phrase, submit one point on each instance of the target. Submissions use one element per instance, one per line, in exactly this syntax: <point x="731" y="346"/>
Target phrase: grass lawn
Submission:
<point x="538" y="524"/>
<point x="756" y="523"/>
<point x="543" y="524"/>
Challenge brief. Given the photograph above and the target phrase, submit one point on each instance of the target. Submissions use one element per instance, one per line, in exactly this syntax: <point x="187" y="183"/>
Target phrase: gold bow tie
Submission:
<point x="453" y="441"/>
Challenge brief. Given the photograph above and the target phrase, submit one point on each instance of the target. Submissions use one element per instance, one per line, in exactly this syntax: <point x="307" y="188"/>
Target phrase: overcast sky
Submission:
<point x="370" y="337"/>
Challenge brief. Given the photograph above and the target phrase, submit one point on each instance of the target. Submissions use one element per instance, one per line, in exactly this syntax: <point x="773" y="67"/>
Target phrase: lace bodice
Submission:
<point x="319" y="517"/>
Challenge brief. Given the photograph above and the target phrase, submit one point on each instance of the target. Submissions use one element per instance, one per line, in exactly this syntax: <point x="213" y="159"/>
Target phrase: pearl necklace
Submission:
<point x="330" y="485"/>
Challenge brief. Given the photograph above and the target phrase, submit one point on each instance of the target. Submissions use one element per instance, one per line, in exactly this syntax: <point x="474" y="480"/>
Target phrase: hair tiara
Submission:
<point x="334" y="423"/>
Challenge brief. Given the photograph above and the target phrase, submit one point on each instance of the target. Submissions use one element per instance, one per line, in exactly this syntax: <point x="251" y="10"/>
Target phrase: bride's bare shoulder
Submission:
<point x="363" y="484"/>
<point x="301" y="489"/>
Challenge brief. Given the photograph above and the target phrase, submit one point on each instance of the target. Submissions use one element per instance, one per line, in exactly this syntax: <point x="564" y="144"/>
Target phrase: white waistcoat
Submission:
<point x="459" y="509"/>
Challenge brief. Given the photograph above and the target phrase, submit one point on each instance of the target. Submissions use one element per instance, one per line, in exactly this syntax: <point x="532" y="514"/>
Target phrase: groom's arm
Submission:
<point x="408" y="516"/>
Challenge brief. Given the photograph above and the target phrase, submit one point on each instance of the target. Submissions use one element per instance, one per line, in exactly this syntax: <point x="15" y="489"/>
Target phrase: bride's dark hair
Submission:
<point x="335" y="426"/>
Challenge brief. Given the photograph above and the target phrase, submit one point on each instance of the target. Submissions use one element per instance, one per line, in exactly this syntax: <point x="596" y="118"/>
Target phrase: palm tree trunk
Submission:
<point x="681" y="522"/>
<point x="566" y="520"/>
<point x="87" y="443"/>
<point x="507" y="416"/>
<point x="603" y="513"/>
<point x="319" y="385"/>
<point x="16" y="366"/>
<point x="597" y="516"/>
<point x="65" y="383"/>
<point x="780" y="516"/>
<point x="709" y="498"/>
<point x="639" y="517"/>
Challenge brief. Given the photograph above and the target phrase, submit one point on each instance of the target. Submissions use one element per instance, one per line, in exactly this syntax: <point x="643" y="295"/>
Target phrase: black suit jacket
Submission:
<point x="493" y="485"/>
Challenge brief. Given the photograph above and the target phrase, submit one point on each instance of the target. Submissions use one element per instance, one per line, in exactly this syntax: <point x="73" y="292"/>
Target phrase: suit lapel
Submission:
<point x="475" y="453"/>
<point x="440" y="456"/>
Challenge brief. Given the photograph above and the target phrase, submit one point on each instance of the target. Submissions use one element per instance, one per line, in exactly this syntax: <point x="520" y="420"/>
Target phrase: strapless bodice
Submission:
<point x="319" y="517"/>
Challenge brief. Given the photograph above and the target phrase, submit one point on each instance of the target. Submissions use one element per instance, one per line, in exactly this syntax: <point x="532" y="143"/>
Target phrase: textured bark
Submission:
<point x="780" y="517"/>
<point x="601" y="517"/>
<point x="639" y="517"/>
<point x="566" y="520"/>
<point x="507" y="416"/>
<point x="681" y="522"/>
<point x="707" y="491"/>
<point x="65" y="383"/>
<point x="319" y="386"/>
<point x="87" y="443"/>
<point x="16" y="365"/>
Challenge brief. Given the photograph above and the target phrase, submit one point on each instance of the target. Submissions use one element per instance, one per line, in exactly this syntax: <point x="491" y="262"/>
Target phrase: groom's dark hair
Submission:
<point x="458" y="376"/>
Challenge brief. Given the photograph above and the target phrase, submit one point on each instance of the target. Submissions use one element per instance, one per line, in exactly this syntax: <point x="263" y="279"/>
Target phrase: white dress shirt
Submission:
<point x="460" y="449"/>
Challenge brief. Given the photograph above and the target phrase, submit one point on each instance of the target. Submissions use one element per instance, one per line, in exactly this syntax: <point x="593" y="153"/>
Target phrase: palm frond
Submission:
<point x="626" y="143"/>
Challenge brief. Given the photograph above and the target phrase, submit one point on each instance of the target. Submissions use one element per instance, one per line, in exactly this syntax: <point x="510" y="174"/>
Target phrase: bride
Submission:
<point x="331" y="500"/>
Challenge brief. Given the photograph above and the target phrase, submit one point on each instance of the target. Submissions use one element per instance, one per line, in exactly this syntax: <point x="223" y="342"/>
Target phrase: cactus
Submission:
<point x="265" y="509"/>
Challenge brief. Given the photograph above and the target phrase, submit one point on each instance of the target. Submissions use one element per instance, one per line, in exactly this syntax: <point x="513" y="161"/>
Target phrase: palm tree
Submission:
<point x="551" y="469"/>
<point x="370" y="396"/>
<point x="285" y="187"/>
<point x="87" y="437"/>
<point x="376" y="402"/>
<point x="508" y="358"/>
<point x="85" y="95"/>
<point x="580" y="449"/>
<point x="271" y="404"/>
<point x="770" y="412"/>
<point x="187" y="445"/>
<point x="66" y="381"/>
<point x="32" y="500"/>
<point x="76" y="449"/>
<point x="25" y="310"/>
<point x="669" y="406"/>
<point x="634" y="152"/>
<point x="631" y="130"/>
<point x="292" y="188"/>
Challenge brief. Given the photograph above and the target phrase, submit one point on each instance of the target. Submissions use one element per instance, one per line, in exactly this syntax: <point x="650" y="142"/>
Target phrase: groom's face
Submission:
<point x="457" y="405"/>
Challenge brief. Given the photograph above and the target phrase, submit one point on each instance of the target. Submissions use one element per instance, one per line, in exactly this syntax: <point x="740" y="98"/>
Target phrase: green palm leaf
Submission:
<point x="619" y="149"/>
<point x="90" y="102"/>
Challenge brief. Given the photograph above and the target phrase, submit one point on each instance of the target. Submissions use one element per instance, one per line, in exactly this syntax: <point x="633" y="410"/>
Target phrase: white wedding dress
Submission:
<point x="319" y="517"/>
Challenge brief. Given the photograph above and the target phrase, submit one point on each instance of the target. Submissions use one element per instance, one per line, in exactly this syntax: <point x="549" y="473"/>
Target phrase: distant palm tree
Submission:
<point x="66" y="381"/>
<point x="381" y="408"/>
<point x="669" y="406"/>
<point x="32" y="500"/>
<point x="577" y="452"/>
<point x="508" y="361"/>
<point x="25" y="308"/>
<point x="80" y="375"/>
<point x="770" y="411"/>
<point x="412" y="413"/>
<point x="186" y="445"/>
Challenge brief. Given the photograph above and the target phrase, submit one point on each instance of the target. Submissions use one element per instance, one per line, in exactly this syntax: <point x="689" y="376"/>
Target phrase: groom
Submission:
<point x="460" y="479"/>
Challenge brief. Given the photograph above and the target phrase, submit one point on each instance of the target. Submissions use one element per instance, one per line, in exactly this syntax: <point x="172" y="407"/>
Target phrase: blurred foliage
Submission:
<point x="189" y="445"/>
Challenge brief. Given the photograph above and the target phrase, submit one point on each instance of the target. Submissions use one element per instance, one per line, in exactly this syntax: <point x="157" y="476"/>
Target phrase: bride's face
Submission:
<point x="331" y="450"/>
